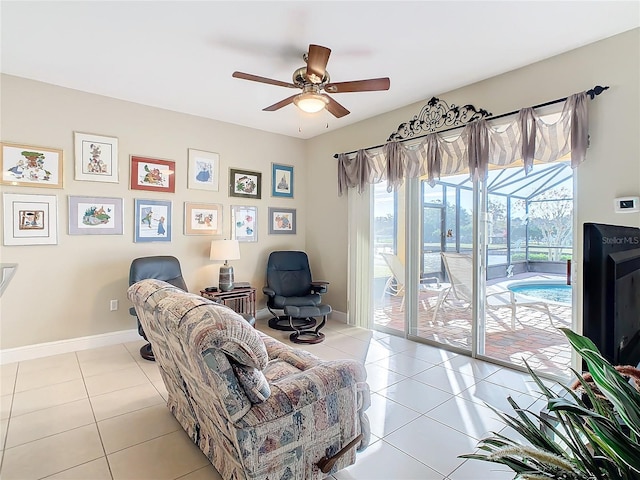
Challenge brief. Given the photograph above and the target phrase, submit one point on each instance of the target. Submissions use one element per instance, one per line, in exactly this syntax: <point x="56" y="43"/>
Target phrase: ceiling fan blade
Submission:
<point x="280" y="104"/>
<point x="371" y="85"/>
<point x="335" y="108"/>
<point x="317" y="63"/>
<point x="256" y="78"/>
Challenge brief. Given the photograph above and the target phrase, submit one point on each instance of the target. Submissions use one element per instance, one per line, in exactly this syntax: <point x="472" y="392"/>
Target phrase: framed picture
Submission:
<point x="153" y="174"/>
<point x="244" y="223"/>
<point x="204" y="170"/>
<point x="95" y="216"/>
<point x="30" y="219"/>
<point x="202" y="218"/>
<point x="152" y="221"/>
<point x="96" y="157"/>
<point x="243" y="183"/>
<point x="282" y="221"/>
<point x="31" y="166"/>
<point x="281" y="180"/>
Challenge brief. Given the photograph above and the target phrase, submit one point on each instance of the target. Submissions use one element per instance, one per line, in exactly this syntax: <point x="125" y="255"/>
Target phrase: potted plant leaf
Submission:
<point x="589" y="433"/>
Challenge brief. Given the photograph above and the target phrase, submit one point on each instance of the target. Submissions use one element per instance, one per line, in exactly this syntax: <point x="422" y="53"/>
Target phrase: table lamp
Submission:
<point x="225" y="250"/>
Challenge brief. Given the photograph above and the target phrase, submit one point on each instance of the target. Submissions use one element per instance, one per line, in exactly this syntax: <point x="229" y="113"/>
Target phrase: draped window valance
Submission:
<point x="527" y="137"/>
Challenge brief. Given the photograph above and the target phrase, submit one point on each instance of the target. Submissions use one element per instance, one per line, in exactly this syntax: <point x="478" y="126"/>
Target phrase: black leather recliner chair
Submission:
<point x="162" y="267"/>
<point x="290" y="288"/>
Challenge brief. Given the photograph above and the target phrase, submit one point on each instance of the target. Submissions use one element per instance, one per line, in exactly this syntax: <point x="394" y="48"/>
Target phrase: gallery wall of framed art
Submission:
<point x="96" y="218"/>
<point x="96" y="159"/>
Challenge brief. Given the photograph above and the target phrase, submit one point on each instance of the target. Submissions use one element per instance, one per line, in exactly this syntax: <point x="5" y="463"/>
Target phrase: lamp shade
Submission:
<point x="223" y="250"/>
<point x="310" y="102"/>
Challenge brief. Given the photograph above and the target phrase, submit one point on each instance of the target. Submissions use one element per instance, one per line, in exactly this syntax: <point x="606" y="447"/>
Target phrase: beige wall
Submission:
<point x="63" y="291"/>
<point x="612" y="167"/>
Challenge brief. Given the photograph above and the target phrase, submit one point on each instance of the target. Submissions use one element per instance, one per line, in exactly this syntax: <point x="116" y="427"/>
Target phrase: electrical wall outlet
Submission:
<point x="113" y="305"/>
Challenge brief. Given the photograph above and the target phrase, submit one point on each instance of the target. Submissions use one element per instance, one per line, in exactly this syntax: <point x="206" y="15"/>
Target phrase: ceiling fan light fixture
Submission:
<point x="313" y="78"/>
<point x="310" y="102"/>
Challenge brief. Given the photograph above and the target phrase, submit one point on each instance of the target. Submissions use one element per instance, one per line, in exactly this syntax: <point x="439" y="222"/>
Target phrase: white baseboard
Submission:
<point x="29" y="352"/>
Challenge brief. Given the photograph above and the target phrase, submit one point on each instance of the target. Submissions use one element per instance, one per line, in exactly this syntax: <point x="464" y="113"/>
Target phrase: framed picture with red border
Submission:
<point x="153" y="174"/>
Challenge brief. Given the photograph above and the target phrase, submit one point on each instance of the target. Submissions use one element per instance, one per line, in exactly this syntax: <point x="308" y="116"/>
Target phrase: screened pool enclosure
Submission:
<point x="529" y="220"/>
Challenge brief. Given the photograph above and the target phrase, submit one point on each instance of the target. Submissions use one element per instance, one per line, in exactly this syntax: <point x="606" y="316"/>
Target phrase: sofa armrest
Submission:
<point x="296" y="391"/>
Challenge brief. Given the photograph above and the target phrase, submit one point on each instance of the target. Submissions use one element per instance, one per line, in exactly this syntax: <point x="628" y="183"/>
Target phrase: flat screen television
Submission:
<point x="611" y="294"/>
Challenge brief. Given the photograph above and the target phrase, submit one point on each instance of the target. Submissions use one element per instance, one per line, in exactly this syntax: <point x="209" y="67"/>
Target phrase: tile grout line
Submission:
<point x="95" y="420"/>
<point x="6" y="435"/>
<point x="339" y="335"/>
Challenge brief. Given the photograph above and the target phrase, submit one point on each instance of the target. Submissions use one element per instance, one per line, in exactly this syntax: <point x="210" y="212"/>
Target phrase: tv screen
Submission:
<point x="611" y="294"/>
<point x="625" y="277"/>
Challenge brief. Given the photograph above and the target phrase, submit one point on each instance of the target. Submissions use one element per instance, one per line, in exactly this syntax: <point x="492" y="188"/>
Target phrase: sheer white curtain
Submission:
<point x="359" y="305"/>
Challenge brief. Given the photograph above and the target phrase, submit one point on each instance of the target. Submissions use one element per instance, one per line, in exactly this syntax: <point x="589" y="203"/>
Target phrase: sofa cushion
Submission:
<point x="279" y="368"/>
<point x="253" y="382"/>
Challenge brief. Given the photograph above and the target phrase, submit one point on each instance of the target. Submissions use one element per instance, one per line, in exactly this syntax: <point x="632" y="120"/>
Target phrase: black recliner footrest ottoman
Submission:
<point x="308" y="336"/>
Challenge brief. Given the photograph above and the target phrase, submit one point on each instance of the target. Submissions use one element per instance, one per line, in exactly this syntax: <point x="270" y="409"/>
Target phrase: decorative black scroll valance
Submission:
<point x="434" y="116"/>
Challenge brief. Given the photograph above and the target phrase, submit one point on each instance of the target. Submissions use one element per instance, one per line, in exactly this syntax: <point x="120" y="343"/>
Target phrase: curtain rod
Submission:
<point x="593" y="93"/>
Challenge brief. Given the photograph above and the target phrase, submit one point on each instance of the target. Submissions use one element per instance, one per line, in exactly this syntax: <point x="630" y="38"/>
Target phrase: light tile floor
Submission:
<point x="100" y="414"/>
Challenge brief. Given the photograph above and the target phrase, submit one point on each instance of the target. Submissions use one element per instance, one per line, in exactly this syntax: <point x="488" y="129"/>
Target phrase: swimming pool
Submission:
<point x="553" y="291"/>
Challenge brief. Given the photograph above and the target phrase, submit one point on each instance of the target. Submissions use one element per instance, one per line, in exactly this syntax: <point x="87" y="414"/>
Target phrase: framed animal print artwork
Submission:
<point x="153" y="175"/>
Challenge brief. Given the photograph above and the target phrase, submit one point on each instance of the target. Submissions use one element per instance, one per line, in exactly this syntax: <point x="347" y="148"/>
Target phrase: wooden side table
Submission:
<point x="241" y="300"/>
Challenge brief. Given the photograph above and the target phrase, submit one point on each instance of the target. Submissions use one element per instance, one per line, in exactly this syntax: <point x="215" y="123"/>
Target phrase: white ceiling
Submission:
<point x="180" y="55"/>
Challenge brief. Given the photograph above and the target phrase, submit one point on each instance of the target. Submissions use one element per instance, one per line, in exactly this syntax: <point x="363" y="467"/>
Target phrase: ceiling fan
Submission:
<point x="313" y="79"/>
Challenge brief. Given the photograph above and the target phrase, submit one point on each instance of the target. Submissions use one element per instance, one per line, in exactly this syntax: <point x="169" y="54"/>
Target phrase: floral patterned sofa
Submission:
<point x="259" y="409"/>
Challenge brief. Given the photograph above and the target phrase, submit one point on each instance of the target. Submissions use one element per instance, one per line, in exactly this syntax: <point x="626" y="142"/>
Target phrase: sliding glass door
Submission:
<point x="446" y="210"/>
<point x="447" y="275"/>
<point x="529" y="244"/>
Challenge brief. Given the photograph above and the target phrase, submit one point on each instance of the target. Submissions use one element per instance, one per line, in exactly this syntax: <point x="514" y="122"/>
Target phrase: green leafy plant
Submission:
<point x="591" y="433"/>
